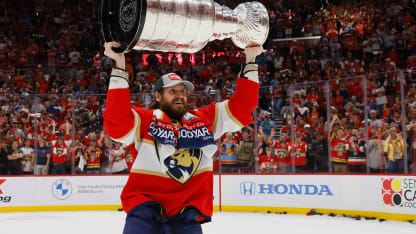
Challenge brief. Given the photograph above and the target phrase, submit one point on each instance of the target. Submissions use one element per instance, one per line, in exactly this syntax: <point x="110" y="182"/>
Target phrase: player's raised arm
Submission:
<point x="120" y="120"/>
<point x="231" y="115"/>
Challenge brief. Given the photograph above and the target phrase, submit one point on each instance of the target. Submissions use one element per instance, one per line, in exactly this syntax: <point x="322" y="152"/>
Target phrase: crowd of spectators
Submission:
<point x="53" y="80"/>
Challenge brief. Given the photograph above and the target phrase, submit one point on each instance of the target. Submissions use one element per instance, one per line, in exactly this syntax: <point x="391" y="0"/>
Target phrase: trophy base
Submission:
<point x="122" y="21"/>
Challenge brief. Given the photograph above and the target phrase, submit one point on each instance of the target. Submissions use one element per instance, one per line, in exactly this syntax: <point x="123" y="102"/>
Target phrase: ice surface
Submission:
<point x="111" y="222"/>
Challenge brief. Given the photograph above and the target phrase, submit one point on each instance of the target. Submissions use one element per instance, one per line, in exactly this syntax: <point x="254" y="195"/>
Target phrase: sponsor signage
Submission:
<point x="399" y="192"/>
<point x="3" y="197"/>
<point x="250" y="188"/>
<point x="56" y="191"/>
<point x="279" y="191"/>
<point x="62" y="189"/>
<point x="370" y="193"/>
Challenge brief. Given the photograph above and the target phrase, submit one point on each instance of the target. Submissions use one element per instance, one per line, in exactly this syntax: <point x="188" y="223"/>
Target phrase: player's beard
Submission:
<point x="177" y="112"/>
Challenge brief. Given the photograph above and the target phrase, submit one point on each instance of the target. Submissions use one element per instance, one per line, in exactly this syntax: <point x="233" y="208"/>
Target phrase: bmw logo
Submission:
<point x="62" y="189"/>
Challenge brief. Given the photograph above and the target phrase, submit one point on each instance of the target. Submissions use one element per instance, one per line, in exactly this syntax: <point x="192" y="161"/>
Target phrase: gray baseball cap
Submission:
<point x="171" y="79"/>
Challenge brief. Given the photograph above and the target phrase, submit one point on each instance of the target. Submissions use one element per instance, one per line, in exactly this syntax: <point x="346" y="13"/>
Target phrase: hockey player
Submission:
<point x="170" y="186"/>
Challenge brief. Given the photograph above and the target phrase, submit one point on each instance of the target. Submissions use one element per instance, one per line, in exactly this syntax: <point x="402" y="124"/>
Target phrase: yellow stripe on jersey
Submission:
<point x="160" y="174"/>
<point x="204" y="170"/>
<point x="338" y="160"/>
<point x="146" y="172"/>
<point x="217" y="110"/>
<point x="138" y="127"/>
<point x="232" y="117"/>
<point x="136" y="123"/>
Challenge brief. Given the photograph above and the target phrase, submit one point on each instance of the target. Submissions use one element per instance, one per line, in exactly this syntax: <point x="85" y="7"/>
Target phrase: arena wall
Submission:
<point x="373" y="196"/>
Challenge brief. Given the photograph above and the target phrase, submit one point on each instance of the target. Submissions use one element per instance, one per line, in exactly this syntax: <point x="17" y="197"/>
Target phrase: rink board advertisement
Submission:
<point x="61" y="191"/>
<point x="80" y="192"/>
<point x="386" y="196"/>
<point x="383" y="194"/>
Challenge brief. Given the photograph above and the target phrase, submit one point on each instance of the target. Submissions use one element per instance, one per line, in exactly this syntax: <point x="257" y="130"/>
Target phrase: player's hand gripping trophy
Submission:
<point x="181" y="26"/>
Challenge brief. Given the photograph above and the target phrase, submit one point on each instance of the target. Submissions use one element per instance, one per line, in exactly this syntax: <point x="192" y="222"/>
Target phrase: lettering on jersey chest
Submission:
<point x="187" y="131"/>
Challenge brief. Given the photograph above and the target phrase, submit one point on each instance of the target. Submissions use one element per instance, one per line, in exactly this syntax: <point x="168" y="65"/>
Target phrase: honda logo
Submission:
<point x="247" y="188"/>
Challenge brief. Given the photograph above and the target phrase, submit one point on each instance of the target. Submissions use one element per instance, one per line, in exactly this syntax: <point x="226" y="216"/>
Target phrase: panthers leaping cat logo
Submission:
<point x="183" y="164"/>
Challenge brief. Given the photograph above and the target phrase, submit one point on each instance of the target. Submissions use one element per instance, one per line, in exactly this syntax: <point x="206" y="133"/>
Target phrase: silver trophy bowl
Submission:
<point x="181" y="25"/>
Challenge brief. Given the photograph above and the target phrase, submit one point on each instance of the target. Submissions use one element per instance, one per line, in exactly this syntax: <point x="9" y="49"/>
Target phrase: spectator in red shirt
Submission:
<point x="59" y="157"/>
<point x="93" y="156"/>
<point x="298" y="153"/>
<point x="267" y="160"/>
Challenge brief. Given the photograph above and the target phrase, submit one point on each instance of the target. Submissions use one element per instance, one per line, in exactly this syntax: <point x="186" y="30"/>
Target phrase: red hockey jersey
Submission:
<point x="59" y="153"/>
<point x="93" y="158"/>
<point x="299" y="154"/>
<point x="187" y="179"/>
<point x="282" y="154"/>
<point x="339" y="150"/>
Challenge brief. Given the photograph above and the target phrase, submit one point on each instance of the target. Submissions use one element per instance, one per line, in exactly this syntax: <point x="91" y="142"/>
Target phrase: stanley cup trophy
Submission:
<point x="181" y="25"/>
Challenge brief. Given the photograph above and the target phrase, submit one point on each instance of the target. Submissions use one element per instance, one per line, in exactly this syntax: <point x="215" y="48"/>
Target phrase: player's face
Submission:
<point x="173" y="101"/>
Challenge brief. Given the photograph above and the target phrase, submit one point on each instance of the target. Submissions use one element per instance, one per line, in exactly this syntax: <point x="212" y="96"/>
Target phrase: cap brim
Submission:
<point x="188" y="85"/>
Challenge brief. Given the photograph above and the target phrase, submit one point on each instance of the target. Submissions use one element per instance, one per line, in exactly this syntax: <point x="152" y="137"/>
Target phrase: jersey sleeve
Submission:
<point x="120" y="120"/>
<point x="233" y="114"/>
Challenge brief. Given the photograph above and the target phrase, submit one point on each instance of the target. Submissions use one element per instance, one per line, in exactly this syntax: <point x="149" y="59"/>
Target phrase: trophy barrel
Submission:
<point x="181" y="25"/>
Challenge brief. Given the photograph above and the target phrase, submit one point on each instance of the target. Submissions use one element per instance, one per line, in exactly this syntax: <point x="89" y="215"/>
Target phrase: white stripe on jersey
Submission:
<point x="131" y="136"/>
<point x="224" y="120"/>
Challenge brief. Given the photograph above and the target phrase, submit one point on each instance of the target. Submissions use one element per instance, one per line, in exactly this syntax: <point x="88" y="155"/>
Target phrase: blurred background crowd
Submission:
<point x="343" y="102"/>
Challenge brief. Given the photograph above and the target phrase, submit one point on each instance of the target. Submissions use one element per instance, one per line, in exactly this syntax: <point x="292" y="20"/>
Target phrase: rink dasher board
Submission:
<point x="387" y="196"/>
<point x="54" y="193"/>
